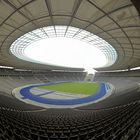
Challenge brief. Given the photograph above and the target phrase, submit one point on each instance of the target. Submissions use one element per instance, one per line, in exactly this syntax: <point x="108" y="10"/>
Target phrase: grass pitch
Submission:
<point x="85" y="88"/>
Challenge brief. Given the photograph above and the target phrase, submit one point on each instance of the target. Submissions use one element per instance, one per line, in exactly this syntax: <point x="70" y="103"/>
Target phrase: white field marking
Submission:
<point x="37" y="91"/>
<point x="62" y="95"/>
<point x="55" y="94"/>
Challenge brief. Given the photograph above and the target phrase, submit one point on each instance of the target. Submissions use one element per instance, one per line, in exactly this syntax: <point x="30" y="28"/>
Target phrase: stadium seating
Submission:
<point x="116" y="118"/>
<point x="110" y="26"/>
<point x="10" y="79"/>
<point x="117" y="123"/>
<point x="126" y="88"/>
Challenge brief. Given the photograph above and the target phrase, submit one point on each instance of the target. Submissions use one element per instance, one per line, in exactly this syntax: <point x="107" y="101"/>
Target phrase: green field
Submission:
<point x="74" y="87"/>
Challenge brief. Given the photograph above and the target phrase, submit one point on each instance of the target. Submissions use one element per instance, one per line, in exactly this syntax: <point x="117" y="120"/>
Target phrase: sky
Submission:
<point x="67" y="52"/>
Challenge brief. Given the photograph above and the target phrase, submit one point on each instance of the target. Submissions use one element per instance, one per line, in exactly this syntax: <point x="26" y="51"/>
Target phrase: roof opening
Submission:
<point x="64" y="46"/>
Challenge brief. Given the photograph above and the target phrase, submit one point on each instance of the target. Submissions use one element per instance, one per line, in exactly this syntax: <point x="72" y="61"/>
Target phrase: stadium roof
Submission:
<point x="116" y="21"/>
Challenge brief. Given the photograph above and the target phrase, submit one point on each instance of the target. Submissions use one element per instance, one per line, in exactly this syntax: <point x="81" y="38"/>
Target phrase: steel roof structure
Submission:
<point x="116" y="21"/>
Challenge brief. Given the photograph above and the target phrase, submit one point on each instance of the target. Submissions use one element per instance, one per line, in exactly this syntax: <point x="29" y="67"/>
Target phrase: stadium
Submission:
<point x="69" y="70"/>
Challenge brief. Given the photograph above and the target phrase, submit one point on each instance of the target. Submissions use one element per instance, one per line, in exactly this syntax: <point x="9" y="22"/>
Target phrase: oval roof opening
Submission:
<point x="64" y="46"/>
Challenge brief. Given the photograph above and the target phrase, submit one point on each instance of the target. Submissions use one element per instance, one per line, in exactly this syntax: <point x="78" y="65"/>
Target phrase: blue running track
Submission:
<point x="25" y="92"/>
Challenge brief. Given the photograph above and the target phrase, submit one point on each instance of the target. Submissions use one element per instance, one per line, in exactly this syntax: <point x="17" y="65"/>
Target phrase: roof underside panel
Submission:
<point x="116" y="21"/>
